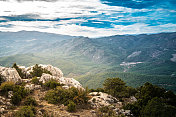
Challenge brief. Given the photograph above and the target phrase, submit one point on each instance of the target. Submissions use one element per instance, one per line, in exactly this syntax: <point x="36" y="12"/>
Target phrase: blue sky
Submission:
<point x="90" y="18"/>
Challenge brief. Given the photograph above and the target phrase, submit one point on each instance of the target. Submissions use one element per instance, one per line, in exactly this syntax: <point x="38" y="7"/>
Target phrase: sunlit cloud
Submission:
<point x="91" y="18"/>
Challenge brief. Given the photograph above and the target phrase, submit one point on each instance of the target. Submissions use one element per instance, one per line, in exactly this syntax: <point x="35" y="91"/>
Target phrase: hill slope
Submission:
<point x="152" y="55"/>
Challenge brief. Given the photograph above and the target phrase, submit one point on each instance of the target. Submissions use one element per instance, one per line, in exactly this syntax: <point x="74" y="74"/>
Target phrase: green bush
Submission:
<point x="153" y="101"/>
<point x="20" y="71"/>
<point x="116" y="87"/>
<point x="97" y="90"/>
<point x="38" y="71"/>
<point x="105" y="111"/>
<point x="16" y="98"/>
<point x="26" y="111"/>
<point x="35" y="80"/>
<point x="156" y="108"/>
<point x="63" y="96"/>
<point x="29" y="101"/>
<point x="7" y="86"/>
<point x="19" y="92"/>
<point x="71" y="107"/>
<point x="1" y="79"/>
<point x="51" y="84"/>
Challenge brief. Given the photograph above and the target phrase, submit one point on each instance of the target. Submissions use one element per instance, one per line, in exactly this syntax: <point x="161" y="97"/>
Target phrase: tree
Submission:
<point x="114" y="86"/>
<point x="20" y="71"/>
<point x="156" y="108"/>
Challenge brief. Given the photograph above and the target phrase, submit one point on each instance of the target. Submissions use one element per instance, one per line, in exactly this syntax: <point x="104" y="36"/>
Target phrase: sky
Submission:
<point x="89" y="18"/>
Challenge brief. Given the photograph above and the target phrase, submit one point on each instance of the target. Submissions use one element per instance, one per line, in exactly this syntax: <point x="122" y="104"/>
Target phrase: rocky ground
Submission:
<point x="97" y="100"/>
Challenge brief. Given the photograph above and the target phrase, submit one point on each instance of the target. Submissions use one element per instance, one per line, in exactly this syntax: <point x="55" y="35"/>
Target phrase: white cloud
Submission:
<point x="76" y="30"/>
<point x="74" y="9"/>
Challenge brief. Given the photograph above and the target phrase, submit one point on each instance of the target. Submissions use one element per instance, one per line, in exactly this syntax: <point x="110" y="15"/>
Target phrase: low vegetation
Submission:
<point x="71" y="107"/>
<point x="19" y="92"/>
<point x="153" y="101"/>
<point x="35" y="80"/>
<point x="1" y="79"/>
<point x="38" y="71"/>
<point x="51" y="84"/>
<point x="26" y="111"/>
<point x="30" y="101"/>
<point x="67" y="97"/>
<point x="105" y="111"/>
<point x="117" y="88"/>
<point x="19" y="70"/>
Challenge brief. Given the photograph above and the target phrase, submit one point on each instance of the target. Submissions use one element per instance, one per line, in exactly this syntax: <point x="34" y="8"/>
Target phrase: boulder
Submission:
<point x="10" y="74"/>
<point x="71" y="82"/>
<point x="53" y="70"/>
<point x="47" y="77"/>
<point x="100" y="99"/>
<point x="68" y="82"/>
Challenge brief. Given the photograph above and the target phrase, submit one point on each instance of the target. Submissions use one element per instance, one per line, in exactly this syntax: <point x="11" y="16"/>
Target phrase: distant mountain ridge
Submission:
<point x="153" y="54"/>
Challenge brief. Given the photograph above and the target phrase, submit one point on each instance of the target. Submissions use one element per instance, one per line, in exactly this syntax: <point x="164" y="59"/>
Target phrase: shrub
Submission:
<point x="35" y="80"/>
<point x="7" y="86"/>
<point x="26" y="111"/>
<point x="38" y="71"/>
<point x="153" y="101"/>
<point x="115" y="87"/>
<point x="19" y="92"/>
<point x="156" y="107"/>
<point x="93" y="100"/>
<point x="1" y="79"/>
<point x="97" y="90"/>
<point x="16" y="98"/>
<point x="71" y="107"/>
<point x="20" y="71"/>
<point x="52" y="97"/>
<point x="52" y="84"/>
<point x="105" y="112"/>
<point x="29" y="101"/>
<point x="63" y="96"/>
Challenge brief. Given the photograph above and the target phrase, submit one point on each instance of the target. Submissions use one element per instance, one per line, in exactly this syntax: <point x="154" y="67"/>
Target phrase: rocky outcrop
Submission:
<point x="68" y="82"/>
<point x="53" y="70"/>
<point x="100" y="99"/>
<point x="10" y="74"/>
<point x="47" y="77"/>
<point x="32" y="87"/>
<point x="4" y="105"/>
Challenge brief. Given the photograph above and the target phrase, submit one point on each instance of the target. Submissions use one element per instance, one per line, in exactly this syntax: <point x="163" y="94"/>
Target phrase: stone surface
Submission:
<point x="32" y="86"/>
<point x="100" y="99"/>
<point x="10" y="74"/>
<point x="68" y="82"/>
<point x="53" y="70"/>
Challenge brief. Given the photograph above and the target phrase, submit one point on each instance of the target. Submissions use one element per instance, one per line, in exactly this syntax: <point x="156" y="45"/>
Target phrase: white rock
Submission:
<point x="10" y="74"/>
<point x="101" y="99"/>
<point x="68" y="82"/>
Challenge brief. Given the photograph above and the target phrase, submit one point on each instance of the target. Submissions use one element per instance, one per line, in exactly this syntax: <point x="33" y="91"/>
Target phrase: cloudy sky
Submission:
<point x="91" y="18"/>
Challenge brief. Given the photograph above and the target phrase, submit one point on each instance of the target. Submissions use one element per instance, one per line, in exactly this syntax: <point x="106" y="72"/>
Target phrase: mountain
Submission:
<point x="151" y="55"/>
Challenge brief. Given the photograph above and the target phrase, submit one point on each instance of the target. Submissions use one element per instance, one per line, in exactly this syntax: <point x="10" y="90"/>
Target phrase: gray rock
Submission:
<point x="10" y="94"/>
<point x="10" y="74"/>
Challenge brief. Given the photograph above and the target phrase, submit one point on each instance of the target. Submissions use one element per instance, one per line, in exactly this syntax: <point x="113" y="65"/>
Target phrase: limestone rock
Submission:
<point x="71" y="82"/>
<point x="10" y="74"/>
<point x="68" y="82"/>
<point x="100" y="99"/>
<point x="53" y="70"/>
<point x="32" y="86"/>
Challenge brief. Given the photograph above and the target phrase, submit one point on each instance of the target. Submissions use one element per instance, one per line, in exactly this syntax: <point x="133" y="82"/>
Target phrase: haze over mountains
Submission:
<point x="153" y="54"/>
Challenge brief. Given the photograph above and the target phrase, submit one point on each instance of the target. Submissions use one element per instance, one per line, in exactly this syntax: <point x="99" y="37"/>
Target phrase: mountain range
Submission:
<point x="147" y="57"/>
